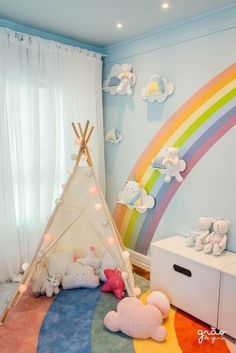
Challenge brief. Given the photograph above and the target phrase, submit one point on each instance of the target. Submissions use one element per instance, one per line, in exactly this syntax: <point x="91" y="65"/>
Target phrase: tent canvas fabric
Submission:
<point x="82" y="198"/>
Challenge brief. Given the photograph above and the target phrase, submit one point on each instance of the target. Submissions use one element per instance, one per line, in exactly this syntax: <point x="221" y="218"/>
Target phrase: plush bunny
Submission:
<point x="126" y="78"/>
<point x="216" y="241"/>
<point x="197" y="237"/>
<point x="138" y="320"/>
<point x="50" y="287"/>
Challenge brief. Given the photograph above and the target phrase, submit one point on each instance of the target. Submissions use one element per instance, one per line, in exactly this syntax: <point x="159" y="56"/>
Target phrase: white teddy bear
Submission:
<point x="197" y="237"/>
<point x="126" y="78"/>
<point x="173" y="165"/>
<point x="216" y="241"/>
<point x="169" y="163"/>
<point x="50" y="287"/>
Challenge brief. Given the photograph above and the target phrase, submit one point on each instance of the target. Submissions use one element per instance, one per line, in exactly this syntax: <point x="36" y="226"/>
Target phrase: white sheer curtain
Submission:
<point x="44" y="86"/>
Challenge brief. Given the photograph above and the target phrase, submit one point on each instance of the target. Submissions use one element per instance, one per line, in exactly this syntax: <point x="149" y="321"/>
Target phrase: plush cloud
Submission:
<point x="147" y="201"/>
<point x="157" y="89"/>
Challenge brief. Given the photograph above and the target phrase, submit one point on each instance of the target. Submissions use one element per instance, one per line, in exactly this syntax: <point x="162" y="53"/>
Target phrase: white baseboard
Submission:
<point x="140" y="260"/>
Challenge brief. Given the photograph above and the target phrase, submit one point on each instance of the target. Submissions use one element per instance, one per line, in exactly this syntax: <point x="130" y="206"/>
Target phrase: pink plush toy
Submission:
<point x="139" y="320"/>
<point x="114" y="283"/>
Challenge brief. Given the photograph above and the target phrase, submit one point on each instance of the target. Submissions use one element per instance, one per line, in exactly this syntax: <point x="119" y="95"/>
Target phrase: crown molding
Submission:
<point x="18" y="27"/>
<point x="197" y="27"/>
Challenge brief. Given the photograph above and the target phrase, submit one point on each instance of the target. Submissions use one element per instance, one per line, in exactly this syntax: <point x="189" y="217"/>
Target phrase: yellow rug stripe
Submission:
<point x="169" y="346"/>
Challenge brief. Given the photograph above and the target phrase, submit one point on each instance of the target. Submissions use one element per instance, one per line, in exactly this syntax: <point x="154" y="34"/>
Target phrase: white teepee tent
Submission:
<point x="81" y="198"/>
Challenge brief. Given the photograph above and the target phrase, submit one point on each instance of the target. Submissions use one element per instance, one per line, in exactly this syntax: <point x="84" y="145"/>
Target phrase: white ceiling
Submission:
<point x="93" y="21"/>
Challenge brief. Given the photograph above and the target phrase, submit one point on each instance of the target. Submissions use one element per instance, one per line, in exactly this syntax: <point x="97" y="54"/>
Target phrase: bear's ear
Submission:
<point x="212" y="219"/>
<point x="228" y="222"/>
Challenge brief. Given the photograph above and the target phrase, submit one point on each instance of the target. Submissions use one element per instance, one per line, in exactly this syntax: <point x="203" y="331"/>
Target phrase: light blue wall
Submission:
<point x="189" y="55"/>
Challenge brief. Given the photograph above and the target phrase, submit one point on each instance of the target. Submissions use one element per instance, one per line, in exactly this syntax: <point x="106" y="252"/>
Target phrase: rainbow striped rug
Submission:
<point x="73" y="323"/>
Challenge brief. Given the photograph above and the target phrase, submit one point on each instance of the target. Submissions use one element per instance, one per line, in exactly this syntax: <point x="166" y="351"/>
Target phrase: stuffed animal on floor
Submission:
<point x="138" y="320"/>
<point x="217" y="240"/>
<point x="126" y="78"/>
<point x="114" y="283"/>
<point x="80" y="276"/>
<point x="91" y="259"/>
<point x="37" y="281"/>
<point x="131" y="193"/>
<point x="50" y="287"/>
<point x="107" y="263"/>
<point x="197" y="237"/>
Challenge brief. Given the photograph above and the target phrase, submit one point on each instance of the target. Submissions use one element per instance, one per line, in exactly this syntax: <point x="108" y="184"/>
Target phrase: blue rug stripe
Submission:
<point x="67" y="325"/>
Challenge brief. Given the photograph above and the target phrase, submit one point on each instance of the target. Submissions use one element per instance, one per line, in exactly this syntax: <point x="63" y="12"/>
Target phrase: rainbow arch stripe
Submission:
<point x="194" y="128"/>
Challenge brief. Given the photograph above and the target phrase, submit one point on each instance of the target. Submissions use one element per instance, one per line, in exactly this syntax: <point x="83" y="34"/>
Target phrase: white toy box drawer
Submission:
<point x="189" y="278"/>
<point x="227" y="307"/>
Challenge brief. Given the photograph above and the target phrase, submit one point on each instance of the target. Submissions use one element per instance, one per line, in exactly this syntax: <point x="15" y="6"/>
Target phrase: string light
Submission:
<point x="110" y="241"/>
<point x="73" y="157"/>
<point x="93" y="190"/>
<point x="70" y="171"/>
<point x="58" y="201"/>
<point x="124" y="275"/>
<point x="98" y="206"/>
<point x="125" y="254"/>
<point x="137" y="291"/>
<point x="77" y="141"/>
<point x="47" y="237"/>
<point x="22" y="288"/>
<point x="104" y="223"/>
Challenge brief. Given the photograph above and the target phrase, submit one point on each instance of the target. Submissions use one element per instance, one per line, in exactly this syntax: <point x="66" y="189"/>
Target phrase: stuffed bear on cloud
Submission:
<point x="120" y="80"/>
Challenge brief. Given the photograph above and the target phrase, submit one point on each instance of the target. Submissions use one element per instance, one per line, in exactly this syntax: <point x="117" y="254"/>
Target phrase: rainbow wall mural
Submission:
<point x="194" y="128"/>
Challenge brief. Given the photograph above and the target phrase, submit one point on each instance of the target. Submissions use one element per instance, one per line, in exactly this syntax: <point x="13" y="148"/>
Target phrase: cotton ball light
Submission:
<point x="98" y="206"/>
<point x="40" y="254"/>
<point x="22" y="288"/>
<point x="110" y="241"/>
<point x="73" y="156"/>
<point x="24" y="266"/>
<point x="93" y="190"/>
<point x="77" y="141"/>
<point x="104" y="223"/>
<point x="125" y="254"/>
<point x="70" y="171"/>
<point x="47" y="237"/>
<point x="124" y="275"/>
<point x="58" y="201"/>
<point x="137" y="291"/>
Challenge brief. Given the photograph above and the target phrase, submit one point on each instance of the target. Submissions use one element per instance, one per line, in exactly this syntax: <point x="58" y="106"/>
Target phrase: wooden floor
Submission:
<point x="141" y="272"/>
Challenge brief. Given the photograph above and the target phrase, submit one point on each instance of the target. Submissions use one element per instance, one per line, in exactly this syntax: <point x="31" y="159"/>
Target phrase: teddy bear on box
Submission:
<point x="217" y="240"/>
<point x="197" y="237"/>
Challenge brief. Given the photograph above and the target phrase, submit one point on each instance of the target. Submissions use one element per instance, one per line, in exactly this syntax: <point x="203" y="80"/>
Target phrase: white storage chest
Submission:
<point x="191" y="279"/>
<point x="227" y="306"/>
